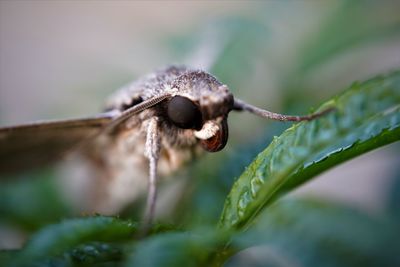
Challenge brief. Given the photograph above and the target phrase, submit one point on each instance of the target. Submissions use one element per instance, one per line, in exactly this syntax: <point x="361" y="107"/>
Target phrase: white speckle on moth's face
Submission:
<point x="172" y="91"/>
<point x="209" y="129"/>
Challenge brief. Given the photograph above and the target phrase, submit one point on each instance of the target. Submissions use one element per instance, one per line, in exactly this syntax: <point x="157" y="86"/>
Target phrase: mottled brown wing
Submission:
<point x="27" y="146"/>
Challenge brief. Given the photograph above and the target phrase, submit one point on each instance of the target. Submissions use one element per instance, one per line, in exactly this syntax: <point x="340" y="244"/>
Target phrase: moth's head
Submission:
<point x="201" y="103"/>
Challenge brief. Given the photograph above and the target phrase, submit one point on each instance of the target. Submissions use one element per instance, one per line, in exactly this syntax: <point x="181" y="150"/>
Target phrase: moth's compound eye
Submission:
<point x="184" y="113"/>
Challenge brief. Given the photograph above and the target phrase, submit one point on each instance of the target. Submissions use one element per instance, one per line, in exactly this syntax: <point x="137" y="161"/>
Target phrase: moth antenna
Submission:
<point x="152" y="151"/>
<point x="126" y="114"/>
<point x="241" y="105"/>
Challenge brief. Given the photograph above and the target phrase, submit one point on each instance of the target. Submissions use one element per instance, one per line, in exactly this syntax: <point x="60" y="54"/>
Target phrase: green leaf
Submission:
<point x="316" y="233"/>
<point x="393" y="196"/>
<point x="59" y="238"/>
<point x="174" y="249"/>
<point x="32" y="202"/>
<point x="90" y="254"/>
<point x="95" y="252"/>
<point x="7" y="255"/>
<point x="367" y="116"/>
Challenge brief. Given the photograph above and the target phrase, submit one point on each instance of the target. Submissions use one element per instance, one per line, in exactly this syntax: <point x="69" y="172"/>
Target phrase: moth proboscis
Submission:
<point x="160" y="121"/>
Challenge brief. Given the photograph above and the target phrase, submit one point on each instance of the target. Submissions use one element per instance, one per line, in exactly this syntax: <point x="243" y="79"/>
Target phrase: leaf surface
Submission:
<point x="367" y="116"/>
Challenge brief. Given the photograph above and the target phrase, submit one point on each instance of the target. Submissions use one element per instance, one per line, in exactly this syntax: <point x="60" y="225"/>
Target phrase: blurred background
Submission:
<point x="61" y="59"/>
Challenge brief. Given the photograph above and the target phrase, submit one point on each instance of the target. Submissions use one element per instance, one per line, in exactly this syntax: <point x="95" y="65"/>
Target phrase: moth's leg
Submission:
<point x="152" y="151"/>
<point x="241" y="105"/>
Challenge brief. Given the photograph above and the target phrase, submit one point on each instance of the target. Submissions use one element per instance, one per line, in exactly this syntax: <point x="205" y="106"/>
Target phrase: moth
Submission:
<point x="148" y="129"/>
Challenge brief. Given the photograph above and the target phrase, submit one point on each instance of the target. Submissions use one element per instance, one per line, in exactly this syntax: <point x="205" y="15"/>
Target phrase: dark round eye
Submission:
<point x="184" y="113"/>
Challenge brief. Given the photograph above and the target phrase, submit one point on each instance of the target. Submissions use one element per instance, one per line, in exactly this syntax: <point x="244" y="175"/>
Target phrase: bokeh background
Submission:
<point x="60" y="59"/>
